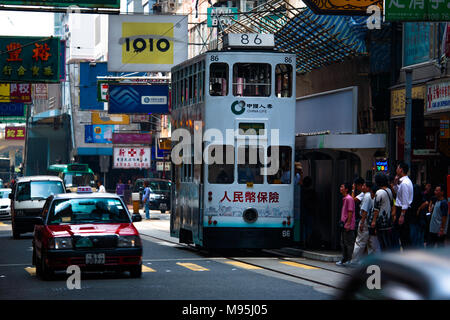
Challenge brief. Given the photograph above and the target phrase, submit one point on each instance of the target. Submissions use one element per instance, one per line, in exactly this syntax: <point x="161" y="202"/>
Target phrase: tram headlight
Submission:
<point x="250" y="215"/>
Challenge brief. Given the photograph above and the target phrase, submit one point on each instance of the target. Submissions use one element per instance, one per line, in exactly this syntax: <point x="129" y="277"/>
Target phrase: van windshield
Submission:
<point x="38" y="190"/>
<point x="79" y="179"/>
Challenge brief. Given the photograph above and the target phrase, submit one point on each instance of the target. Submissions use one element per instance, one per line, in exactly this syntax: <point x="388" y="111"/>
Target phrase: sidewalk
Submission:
<point x="159" y="226"/>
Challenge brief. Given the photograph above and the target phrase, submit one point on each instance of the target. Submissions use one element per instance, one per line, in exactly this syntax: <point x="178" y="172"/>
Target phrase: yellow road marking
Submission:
<point x="147" y="269"/>
<point x="31" y="271"/>
<point x="242" y="265"/>
<point x="192" y="266"/>
<point x="298" y="265"/>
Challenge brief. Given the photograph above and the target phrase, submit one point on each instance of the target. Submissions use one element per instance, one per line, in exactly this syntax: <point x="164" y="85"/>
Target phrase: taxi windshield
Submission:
<point x="88" y="210"/>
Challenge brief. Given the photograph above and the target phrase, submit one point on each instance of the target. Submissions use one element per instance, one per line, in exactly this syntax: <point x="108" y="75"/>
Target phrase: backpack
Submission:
<point x="384" y="218"/>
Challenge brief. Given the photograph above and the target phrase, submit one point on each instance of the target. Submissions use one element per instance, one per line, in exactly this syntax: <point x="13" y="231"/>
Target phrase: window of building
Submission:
<point x="251" y="79"/>
<point x="284" y="174"/>
<point x="218" y="79"/>
<point x="283" y="80"/>
<point x="221" y="171"/>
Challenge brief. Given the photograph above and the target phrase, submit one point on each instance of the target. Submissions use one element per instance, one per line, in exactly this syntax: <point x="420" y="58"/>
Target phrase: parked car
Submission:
<point x="5" y="202"/>
<point x="407" y="275"/>
<point x="27" y="200"/>
<point x="94" y="231"/>
<point x="159" y="195"/>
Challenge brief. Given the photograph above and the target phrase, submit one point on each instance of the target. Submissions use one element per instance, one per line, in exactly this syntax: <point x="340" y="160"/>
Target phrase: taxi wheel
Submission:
<point x="45" y="272"/>
<point x="136" y="271"/>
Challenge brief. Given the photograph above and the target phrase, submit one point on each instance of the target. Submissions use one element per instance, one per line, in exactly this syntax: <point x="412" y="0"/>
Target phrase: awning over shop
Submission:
<point x="318" y="40"/>
<point x="46" y="117"/>
<point x="341" y="141"/>
<point x="95" y="151"/>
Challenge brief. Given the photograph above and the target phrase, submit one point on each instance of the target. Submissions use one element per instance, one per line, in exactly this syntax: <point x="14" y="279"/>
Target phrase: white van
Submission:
<point x="28" y="198"/>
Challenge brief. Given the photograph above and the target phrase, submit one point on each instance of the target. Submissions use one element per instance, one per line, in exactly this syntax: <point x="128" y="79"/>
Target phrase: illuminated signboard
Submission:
<point x="381" y="165"/>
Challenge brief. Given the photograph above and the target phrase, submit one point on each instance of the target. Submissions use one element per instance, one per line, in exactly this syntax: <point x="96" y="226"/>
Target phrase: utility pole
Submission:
<point x="408" y="118"/>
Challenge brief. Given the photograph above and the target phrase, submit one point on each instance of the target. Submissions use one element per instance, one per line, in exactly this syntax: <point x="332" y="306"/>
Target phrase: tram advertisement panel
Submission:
<point x="146" y="43"/>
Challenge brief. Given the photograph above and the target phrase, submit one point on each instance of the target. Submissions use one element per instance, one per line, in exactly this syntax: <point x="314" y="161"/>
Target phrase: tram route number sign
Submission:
<point x="256" y="40"/>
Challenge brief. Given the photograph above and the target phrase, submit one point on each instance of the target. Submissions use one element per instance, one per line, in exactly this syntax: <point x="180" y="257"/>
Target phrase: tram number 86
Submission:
<point x="286" y="233"/>
<point x="140" y="44"/>
<point x="245" y="39"/>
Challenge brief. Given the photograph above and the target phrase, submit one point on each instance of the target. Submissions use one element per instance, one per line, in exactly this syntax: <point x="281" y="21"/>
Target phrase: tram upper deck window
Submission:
<point x="221" y="164"/>
<point x="283" y="80"/>
<point x="283" y="175"/>
<point x="251" y="79"/>
<point x="218" y="79"/>
<point x="250" y="162"/>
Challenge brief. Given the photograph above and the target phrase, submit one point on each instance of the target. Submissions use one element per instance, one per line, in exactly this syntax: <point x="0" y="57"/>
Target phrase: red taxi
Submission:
<point x="92" y="230"/>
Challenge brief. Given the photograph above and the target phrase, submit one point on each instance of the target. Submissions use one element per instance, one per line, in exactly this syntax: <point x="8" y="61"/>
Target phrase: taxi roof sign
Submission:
<point x="84" y="189"/>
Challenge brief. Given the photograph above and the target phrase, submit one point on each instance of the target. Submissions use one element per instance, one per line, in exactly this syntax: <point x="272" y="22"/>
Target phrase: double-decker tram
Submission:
<point x="233" y="120"/>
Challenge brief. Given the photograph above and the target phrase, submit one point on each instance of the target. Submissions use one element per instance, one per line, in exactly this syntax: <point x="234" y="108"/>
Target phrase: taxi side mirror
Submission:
<point x="10" y="196"/>
<point x="136" y="218"/>
<point x="39" y="221"/>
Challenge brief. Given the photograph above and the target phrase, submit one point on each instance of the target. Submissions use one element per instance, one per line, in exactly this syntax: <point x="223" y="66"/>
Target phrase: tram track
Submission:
<point x="259" y="265"/>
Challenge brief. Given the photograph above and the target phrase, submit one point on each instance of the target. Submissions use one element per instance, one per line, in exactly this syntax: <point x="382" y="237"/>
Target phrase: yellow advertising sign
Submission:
<point x="4" y="92"/>
<point x="342" y="7"/>
<point x="157" y="49"/>
<point x="104" y="118"/>
<point x="146" y="43"/>
<point x="398" y="99"/>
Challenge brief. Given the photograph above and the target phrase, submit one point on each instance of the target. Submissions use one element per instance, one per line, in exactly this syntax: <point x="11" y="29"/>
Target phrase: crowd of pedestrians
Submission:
<point x="392" y="214"/>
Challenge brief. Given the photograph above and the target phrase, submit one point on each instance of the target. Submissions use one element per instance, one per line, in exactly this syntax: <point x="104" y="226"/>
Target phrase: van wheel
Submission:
<point x="163" y="211"/>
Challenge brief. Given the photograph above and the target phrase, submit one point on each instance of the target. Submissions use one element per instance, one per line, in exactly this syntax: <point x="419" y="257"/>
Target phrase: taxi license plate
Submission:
<point x="95" y="258"/>
<point x="163" y="206"/>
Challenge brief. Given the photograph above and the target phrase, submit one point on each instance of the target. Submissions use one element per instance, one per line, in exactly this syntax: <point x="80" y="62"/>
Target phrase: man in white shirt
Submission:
<point x="405" y="191"/>
<point x="101" y="187"/>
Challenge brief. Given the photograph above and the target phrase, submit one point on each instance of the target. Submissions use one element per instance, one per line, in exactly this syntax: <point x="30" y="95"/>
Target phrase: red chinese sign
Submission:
<point x="252" y="197"/>
<point x="132" y="158"/>
<point x="20" y="92"/>
<point x="15" y="133"/>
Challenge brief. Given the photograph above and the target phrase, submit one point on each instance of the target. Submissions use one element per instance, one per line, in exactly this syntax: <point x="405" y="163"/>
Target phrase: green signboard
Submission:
<point x="417" y="10"/>
<point x="113" y="4"/>
<point x="223" y="14"/>
<point x="29" y="59"/>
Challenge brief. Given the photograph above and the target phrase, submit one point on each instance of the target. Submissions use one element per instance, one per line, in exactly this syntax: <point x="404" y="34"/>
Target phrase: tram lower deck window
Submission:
<point x="251" y="79"/>
<point x="221" y="164"/>
<point x="283" y="175"/>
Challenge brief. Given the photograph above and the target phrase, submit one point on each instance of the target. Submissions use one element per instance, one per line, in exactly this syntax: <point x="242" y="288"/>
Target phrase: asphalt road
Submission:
<point x="170" y="272"/>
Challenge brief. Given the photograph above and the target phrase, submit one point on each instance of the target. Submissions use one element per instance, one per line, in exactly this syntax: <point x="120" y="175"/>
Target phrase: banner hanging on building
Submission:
<point x="342" y="7"/>
<point x="104" y="118"/>
<point x="29" y="59"/>
<point x="131" y="138"/>
<point x="14" y="133"/>
<point x="98" y="133"/>
<point x="15" y="92"/>
<point x="132" y="158"/>
<point x="113" y="4"/>
<point x="416" y="10"/>
<point x="438" y="97"/>
<point x="12" y="109"/>
<point x="128" y="99"/>
<point x="146" y="43"/>
<point x="14" y="119"/>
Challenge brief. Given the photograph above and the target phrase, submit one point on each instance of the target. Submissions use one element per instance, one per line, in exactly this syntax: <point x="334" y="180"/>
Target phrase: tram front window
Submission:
<point x="283" y="80"/>
<point x="283" y="175"/>
<point x="218" y="79"/>
<point x="250" y="162"/>
<point x="221" y="164"/>
<point x="251" y="79"/>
